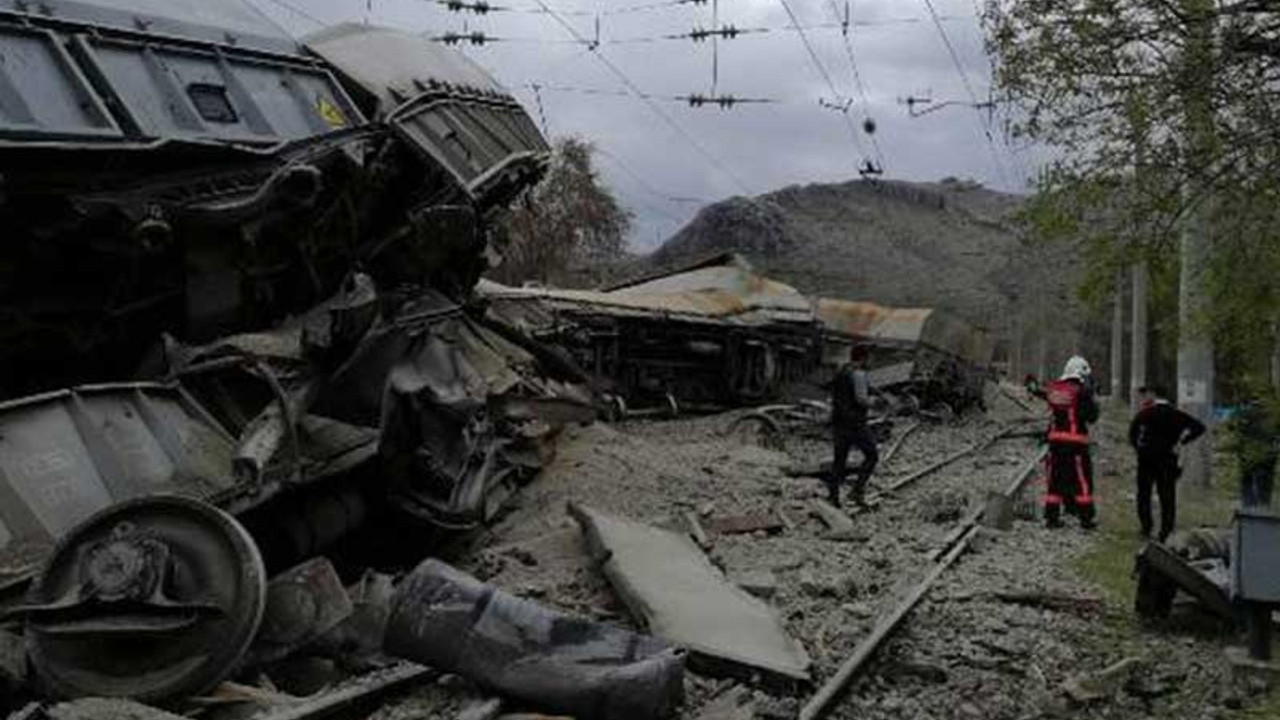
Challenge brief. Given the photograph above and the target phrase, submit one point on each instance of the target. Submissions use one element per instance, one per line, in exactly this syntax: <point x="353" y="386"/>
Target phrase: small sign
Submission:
<point x="331" y="114"/>
<point x="1192" y="392"/>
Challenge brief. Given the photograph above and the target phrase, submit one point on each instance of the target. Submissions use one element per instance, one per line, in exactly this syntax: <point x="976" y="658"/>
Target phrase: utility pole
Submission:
<point x="1117" y="341"/>
<point x="1195" y="343"/>
<point x="1275" y="356"/>
<point x="1138" y="332"/>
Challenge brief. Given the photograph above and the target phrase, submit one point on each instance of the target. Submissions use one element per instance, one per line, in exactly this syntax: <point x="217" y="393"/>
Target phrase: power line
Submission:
<point x="968" y="87"/>
<point x="653" y="106"/>
<point x="290" y="7"/>
<point x="857" y="76"/>
<point x="649" y="188"/>
<point x="822" y="70"/>
<point x="650" y="6"/>
<point x="698" y="34"/>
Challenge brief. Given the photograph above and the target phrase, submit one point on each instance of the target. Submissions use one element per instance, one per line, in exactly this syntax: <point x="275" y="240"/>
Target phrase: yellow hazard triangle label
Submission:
<point x="331" y="114"/>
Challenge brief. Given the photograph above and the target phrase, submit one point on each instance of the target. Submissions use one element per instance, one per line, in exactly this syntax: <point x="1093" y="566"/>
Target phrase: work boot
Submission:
<point x="857" y="495"/>
<point x="1053" y="523"/>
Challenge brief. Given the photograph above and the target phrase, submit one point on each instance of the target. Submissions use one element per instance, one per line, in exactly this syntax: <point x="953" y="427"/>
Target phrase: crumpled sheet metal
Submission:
<point x="561" y="664"/>
<point x="462" y="411"/>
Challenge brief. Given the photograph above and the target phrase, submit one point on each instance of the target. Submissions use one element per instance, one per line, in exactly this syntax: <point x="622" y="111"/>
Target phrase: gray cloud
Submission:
<point x="764" y="146"/>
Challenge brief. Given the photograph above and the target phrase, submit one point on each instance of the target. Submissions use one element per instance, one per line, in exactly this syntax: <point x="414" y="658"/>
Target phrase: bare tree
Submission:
<point x="569" y="219"/>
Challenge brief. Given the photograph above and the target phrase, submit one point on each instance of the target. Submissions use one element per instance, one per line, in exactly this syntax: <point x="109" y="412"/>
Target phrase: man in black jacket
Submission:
<point x="850" y="404"/>
<point x="1156" y="432"/>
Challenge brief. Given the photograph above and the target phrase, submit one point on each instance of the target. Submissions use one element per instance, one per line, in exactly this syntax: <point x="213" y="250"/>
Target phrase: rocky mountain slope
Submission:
<point x="949" y="244"/>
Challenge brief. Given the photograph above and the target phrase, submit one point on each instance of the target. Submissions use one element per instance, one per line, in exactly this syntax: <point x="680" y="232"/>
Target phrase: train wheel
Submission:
<point x="152" y="599"/>
<point x="757" y="429"/>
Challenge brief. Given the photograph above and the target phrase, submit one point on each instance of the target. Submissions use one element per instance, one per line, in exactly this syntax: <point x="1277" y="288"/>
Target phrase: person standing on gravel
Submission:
<point x="1072" y="409"/>
<point x="850" y="406"/>
<point x="1155" y="433"/>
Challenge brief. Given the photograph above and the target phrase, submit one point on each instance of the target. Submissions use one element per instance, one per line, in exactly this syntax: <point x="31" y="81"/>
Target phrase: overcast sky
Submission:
<point x="753" y="149"/>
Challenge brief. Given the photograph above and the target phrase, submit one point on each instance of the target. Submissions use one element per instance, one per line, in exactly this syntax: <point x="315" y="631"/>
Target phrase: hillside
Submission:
<point x="944" y="244"/>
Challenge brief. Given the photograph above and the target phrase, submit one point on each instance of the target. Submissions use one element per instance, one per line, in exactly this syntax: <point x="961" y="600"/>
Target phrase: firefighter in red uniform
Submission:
<point x="1069" y="467"/>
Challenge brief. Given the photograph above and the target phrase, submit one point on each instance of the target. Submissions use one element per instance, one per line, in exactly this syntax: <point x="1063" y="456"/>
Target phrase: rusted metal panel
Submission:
<point x="732" y="292"/>
<point x="928" y="327"/>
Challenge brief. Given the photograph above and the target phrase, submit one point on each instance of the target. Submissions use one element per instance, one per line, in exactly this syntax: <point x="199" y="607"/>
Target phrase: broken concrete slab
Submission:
<point x="761" y="583"/>
<point x="768" y="521"/>
<point x="673" y="589"/>
<point x="736" y="704"/>
<point x="697" y="532"/>
<point x="519" y="649"/>
<point x="840" y="525"/>
<point x="1090" y="687"/>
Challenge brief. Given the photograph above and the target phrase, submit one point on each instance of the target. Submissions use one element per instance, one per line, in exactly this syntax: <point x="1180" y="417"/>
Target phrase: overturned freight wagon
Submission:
<point x="923" y="356"/>
<point x="715" y="333"/>
<point x="281" y="239"/>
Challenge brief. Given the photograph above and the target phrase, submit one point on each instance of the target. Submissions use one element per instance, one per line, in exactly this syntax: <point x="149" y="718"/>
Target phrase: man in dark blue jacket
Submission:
<point x="850" y="406"/>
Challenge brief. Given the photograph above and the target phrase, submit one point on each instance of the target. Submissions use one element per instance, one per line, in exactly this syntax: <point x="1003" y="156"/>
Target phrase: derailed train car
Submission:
<point x="714" y="333"/>
<point x="719" y="333"/>
<point x="282" y="237"/>
<point x="921" y="356"/>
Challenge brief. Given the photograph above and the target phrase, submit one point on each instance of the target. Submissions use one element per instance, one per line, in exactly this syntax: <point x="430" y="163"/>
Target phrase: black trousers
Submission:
<point x="1070" y="471"/>
<point x="1256" y="481"/>
<point x="845" y="438"/>
<point x="1161" y="473"/>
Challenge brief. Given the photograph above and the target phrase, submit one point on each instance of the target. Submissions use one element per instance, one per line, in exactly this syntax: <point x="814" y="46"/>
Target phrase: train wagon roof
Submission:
<point x="731" y="292"/>
<point x="222" y="22"/>
<point x="925" y="326"/>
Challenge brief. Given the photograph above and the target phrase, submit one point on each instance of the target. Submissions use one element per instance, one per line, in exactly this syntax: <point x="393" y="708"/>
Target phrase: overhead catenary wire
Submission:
<point x="698" y="34"/>
<point x="968" y="88"/>
<point x="294" y="9"/>
<point x="826" y="76"/>
<point x="857" y="75"/>
<point x="651" y="6"/>
<point x="652" y="105"/>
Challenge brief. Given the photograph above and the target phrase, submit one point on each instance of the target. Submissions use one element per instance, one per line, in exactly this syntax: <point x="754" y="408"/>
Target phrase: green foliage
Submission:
<point x="1159" y="108"/>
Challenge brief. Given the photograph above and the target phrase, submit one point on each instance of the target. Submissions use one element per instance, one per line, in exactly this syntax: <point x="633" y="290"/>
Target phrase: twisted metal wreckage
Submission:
<point x="311" y="220"/>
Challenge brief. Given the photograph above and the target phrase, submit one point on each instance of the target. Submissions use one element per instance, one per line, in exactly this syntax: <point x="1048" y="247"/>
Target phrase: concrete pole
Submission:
<point x="1195" y="343"/>
<point x="1117" y="341"/>
<point x="1016" y="367"/>
<point x="1275" y="357"/>
<point x="1138" y="333"/>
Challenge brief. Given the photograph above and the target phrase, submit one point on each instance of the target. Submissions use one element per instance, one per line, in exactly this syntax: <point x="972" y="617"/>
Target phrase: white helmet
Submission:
<point x="1078" y="368"/>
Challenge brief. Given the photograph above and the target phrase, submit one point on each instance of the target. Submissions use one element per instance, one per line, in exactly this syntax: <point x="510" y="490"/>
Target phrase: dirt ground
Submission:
<point x="973" y="649"/>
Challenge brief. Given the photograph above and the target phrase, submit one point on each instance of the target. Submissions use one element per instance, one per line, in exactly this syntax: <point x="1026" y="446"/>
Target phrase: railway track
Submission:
<point x="943" y="557"/>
